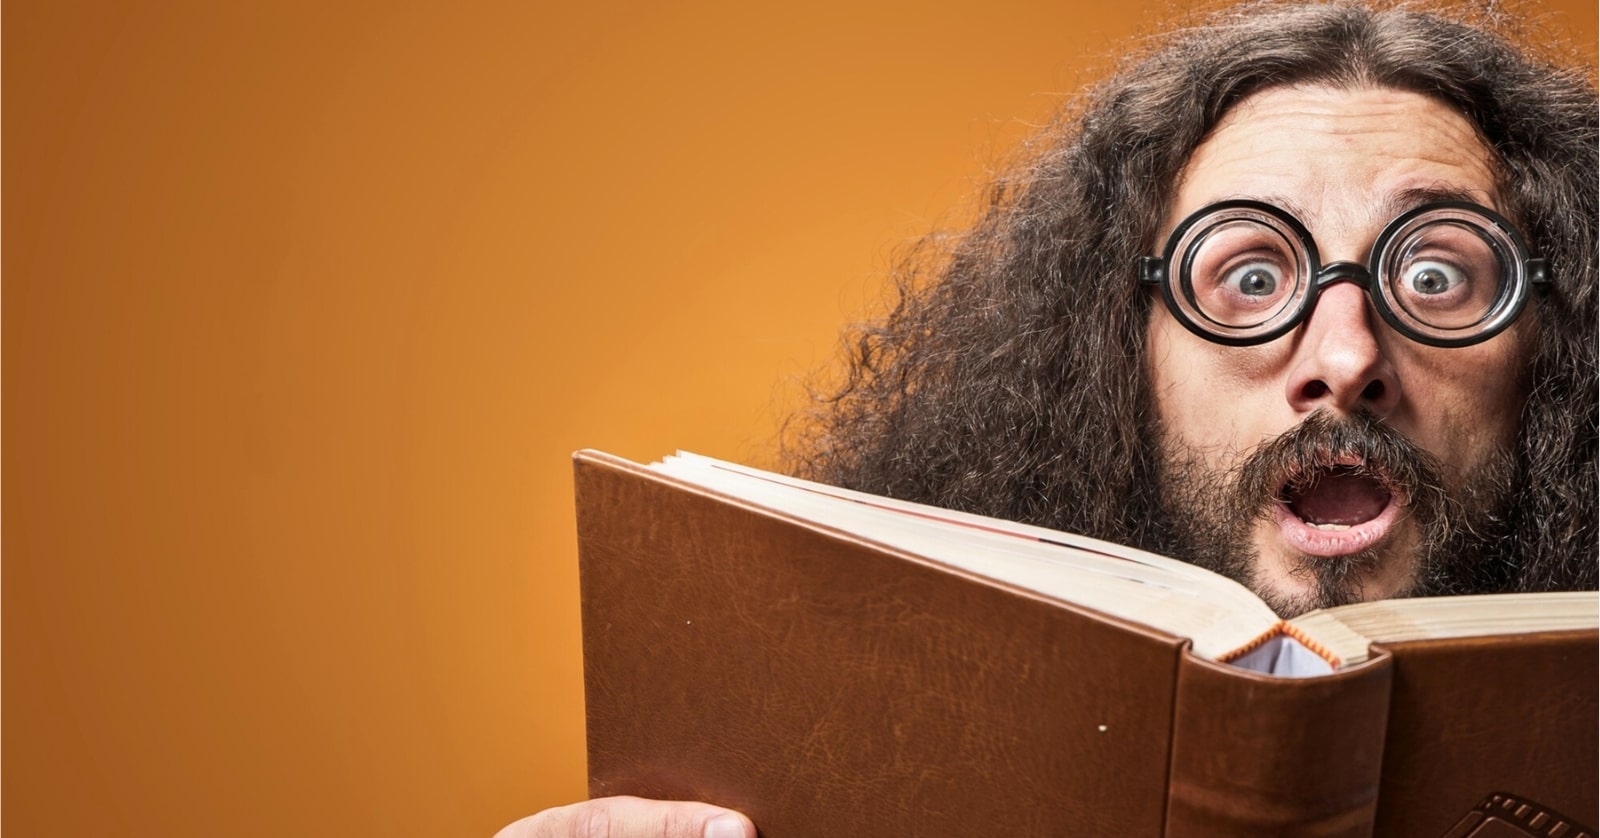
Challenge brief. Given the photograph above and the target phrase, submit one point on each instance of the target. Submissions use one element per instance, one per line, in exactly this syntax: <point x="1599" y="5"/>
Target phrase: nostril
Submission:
<point x="1315" y="389"/>
<point x="1373" y="391"/>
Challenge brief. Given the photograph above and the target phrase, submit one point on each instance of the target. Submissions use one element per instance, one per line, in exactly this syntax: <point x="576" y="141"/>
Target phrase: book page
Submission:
<point x="1217" y="614"/>
<point x="1432" y="618"/>
<point x="1223" y="620"/>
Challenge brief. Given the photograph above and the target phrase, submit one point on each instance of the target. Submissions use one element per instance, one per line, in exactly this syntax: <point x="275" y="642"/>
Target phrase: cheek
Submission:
<point x="1170" y="368"/>
<point x="1467" y="402"/>
<point x="1200" y="390"/>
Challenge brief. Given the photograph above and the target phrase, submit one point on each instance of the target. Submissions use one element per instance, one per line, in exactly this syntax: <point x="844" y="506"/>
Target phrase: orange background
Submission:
<point x="306" y="304"/>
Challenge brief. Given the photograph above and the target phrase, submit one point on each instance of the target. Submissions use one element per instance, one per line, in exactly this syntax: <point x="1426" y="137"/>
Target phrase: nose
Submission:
<point x="1338" y="362"/>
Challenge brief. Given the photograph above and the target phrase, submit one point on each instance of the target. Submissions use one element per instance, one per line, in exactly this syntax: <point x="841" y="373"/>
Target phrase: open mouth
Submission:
<point x="1336" y="509"/>
<point x="1337" y="498"/>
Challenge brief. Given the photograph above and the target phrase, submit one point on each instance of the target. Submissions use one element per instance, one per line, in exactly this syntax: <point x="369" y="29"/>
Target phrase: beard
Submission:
<point x="1210" y="515"/>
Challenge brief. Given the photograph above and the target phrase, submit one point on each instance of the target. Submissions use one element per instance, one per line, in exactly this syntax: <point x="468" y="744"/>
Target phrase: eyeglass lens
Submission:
<point x="1244" y="273"/>
<point x="1447" y="273"/>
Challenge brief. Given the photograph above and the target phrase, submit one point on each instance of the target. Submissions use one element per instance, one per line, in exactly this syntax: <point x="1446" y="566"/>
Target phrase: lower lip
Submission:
<point x="1314" y="542"/>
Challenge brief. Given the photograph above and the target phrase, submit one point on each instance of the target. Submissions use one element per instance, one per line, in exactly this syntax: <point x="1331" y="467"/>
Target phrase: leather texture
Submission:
<point x="826" y="685"/>
<point x="1515" y="714"/>
<point x="1258" y="755"/>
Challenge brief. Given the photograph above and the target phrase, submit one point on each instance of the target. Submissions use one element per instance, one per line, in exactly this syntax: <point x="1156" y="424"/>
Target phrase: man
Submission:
<point x="1307" y="297"/>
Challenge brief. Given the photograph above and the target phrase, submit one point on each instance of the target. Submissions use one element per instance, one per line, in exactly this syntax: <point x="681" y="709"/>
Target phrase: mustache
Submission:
<point x="1360" y="444"/>
<point x="1462" y="529"/>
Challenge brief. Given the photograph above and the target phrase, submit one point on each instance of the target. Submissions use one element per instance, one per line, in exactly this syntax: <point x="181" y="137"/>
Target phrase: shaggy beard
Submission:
<point x="1210" y="517"/>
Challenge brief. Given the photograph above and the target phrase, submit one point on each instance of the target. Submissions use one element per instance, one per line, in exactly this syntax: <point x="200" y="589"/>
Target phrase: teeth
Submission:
<point x="1330" y="527"/>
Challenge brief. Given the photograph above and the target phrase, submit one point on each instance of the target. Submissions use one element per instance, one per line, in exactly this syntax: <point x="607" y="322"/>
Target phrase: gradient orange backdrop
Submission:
<point x="306" y="304"/>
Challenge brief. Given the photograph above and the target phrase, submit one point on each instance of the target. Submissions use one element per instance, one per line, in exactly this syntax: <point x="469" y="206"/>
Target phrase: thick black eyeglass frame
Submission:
<point x="1530" y="272"/>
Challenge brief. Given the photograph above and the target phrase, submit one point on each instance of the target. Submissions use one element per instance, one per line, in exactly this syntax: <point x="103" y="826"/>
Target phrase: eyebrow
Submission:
<point x="1407" y="199"/>
<point x="1283" y="202"/>
<point x="1393" y="204"/>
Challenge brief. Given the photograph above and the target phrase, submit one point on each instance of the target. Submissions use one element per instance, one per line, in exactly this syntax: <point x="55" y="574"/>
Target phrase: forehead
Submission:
<point x="1338" y="156"/>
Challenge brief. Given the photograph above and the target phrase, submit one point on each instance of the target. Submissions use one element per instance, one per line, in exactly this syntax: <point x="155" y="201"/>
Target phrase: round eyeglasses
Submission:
<point x="1449" y="273"/>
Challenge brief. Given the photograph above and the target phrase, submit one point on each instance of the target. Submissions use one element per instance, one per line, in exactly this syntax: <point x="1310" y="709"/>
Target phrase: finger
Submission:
<point x="632" y="817"/>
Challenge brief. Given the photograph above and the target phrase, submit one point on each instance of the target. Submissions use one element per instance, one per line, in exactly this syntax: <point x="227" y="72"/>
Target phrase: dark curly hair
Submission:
<point x="1009" y="380"/>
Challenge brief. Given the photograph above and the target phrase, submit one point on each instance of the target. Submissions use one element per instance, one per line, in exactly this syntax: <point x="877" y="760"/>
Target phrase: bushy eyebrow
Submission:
<point x="1284" y="202"/>
<point x="1393" y="205"/>
<point x="1407" y="199"/>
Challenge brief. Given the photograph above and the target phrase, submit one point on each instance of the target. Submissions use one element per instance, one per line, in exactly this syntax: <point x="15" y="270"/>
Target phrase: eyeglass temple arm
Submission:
<point x="1538" y="272"/>
<point x="1152" y="270"/>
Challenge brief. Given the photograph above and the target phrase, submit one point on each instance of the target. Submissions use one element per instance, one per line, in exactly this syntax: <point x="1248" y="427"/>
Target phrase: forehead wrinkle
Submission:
<point x="1397" y="171"/>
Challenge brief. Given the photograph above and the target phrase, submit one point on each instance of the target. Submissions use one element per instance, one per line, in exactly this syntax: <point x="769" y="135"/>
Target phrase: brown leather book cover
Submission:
<point x="1514" y="714"/>
<point x="827" y="685"/>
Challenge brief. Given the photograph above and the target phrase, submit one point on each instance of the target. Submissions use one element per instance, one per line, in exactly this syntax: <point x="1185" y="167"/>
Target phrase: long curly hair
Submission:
<point x="1008" y="378"/>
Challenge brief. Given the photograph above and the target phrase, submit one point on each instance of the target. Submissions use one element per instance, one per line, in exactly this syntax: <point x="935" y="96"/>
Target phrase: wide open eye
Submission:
<point x="1447" y="276"/>
<point x="1254" y="280"/>
<point x="1239" y="272"/>
<point x="1243" y="274"/>
<point x="1431" y="278"/>
<point x="1450" y="274"/>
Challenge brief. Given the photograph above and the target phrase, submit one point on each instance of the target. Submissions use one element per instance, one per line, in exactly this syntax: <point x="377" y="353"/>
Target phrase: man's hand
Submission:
<point x="632" y="817"/>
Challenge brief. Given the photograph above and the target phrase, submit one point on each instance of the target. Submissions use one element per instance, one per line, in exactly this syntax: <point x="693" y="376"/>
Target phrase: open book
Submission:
<point x="832" y="662"/>
<point x="1223" y="620"/>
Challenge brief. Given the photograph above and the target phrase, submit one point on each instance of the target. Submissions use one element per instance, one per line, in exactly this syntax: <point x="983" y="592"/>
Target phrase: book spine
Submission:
<point x="1257" y="754"/>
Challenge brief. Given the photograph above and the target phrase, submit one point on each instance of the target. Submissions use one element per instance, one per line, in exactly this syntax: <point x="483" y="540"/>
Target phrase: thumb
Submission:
<point x="632" y="817"/>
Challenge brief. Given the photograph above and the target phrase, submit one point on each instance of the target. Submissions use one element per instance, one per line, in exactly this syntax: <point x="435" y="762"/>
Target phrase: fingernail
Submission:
<point x="725" y="826"/>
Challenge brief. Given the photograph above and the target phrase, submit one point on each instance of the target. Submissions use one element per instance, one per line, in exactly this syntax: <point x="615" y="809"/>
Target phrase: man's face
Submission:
<point x="1321" y="529"/>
